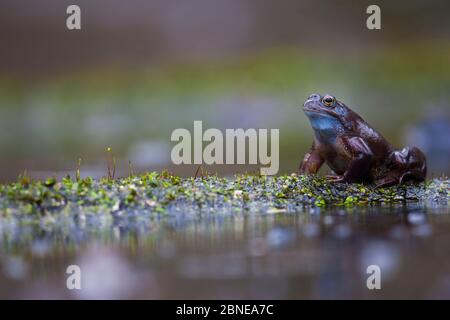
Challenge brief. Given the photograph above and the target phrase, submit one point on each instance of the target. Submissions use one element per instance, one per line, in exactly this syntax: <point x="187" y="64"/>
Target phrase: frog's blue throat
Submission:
<point x="325" y="126"/>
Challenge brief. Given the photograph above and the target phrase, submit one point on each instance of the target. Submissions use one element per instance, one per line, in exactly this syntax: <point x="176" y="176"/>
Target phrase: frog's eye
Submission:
<point x="328" y="100"/>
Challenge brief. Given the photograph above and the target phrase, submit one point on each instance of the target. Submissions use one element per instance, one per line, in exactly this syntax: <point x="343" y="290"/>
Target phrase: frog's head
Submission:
<point x="326" y="113"/>
<point x="411" y="164"/>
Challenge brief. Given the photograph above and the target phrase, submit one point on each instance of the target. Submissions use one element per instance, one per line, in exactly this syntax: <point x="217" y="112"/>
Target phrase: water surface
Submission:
<point x="314" y="253"/>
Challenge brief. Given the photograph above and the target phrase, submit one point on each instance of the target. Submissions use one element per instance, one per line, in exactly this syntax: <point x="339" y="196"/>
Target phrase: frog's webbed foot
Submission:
<point x="335" y="178"/>
<point x="386" y="182"/>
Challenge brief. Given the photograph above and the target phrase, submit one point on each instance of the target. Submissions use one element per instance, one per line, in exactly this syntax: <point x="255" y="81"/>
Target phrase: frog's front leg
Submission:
<point x="361" y="158"/>
<point x="311" y="162"/>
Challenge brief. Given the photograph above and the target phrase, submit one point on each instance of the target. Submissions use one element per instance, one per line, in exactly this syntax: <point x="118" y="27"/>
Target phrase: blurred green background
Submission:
<point x="139" y="69"/>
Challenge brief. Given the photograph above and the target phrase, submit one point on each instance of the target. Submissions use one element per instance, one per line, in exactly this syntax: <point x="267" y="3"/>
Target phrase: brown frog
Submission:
<point x="354" y="150"/>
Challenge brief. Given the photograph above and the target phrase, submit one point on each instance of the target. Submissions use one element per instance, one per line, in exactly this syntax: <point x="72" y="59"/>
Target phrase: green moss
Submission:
<point x="163" y="193"/>
<point x="351" y="200"/>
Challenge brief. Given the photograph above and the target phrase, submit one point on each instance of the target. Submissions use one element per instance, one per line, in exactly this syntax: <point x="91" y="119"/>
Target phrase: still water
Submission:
<point x="314" y="253"/>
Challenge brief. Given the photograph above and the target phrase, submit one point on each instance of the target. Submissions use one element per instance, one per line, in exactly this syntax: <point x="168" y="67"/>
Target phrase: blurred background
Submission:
<point x="139" y="69"/>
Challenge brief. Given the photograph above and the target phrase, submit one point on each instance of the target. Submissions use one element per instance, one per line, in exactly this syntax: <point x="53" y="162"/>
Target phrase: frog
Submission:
<point x="353" y="150"/>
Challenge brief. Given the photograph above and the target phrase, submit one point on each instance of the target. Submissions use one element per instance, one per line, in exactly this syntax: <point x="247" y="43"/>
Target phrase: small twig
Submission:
<point x="111" y="164"/>
<point x="114" y="167"/>
<point x="196" y="172"/>
<point x="78" y="173"/>
<point x="130" y="166"/>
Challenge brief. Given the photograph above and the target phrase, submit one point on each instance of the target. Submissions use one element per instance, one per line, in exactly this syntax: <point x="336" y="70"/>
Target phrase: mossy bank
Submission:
<point x="156" y="194"/>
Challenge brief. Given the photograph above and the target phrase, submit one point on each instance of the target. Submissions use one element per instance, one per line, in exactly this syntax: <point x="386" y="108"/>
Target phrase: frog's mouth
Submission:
<point x="313" y="109"/>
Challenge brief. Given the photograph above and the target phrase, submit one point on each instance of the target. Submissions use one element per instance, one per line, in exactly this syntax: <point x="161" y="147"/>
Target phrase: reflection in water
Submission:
<point x="320" y="253"/>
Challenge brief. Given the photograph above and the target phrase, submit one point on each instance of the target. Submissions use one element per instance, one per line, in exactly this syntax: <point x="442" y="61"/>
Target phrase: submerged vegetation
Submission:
<point x="166" y="194"/>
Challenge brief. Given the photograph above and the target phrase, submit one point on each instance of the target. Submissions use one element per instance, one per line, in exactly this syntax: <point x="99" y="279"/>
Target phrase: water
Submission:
<point x="315" y="253"/>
